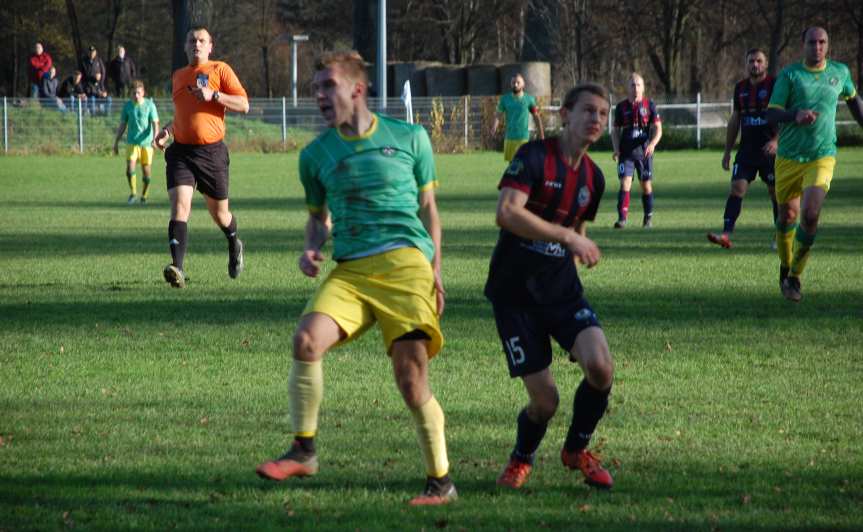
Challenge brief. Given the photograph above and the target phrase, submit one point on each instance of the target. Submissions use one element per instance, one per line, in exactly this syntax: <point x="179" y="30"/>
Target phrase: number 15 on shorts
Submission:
<point x="516" y="353"/>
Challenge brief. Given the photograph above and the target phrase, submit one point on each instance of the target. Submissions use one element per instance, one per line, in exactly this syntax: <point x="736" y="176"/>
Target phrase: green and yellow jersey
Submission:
<point x="517" y="110"/>
<point x="800" y="87"/>
<point x="139" y="119"/>
<point x="371" y="185"/>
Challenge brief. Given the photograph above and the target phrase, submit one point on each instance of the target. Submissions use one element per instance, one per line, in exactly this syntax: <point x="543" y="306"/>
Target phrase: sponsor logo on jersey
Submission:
<point x="554" y="184"/>
<point x="583" y="196"/>
<point x="388" y="151"/>
<point x="549" y="249"/>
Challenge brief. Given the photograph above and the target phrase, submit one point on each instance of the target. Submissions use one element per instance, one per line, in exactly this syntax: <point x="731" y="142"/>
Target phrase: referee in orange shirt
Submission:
<point x="198" y="158"/>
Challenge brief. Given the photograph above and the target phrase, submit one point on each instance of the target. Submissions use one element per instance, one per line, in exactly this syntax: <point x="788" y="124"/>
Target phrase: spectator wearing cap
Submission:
<point x="92" y="64"/>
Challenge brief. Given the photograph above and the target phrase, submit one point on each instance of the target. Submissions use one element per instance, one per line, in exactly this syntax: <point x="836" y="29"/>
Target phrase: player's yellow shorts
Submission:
<point x="793" y="177"/>
<point x="135" y="152"/>
<point x="510" y="146"/>
<point x="395" y="289"/>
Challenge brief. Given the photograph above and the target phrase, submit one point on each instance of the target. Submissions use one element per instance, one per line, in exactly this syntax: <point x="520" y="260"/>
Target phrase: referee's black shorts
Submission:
<point x="204" y="166"/>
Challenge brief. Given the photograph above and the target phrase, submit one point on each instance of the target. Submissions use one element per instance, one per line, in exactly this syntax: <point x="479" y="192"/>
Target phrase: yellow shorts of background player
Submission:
<point x="395" y="289"/>
<point x="135" y="152"/>
<point x="793" y="177"/>
<point x="510" y="146"/>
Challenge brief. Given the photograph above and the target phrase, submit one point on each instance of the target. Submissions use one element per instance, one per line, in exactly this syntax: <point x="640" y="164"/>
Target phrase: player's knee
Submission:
<point x="599" y="371"/>
<point x="306" y="347"/>
<point x="809" y="218"/>
<point x="542" y="408"/>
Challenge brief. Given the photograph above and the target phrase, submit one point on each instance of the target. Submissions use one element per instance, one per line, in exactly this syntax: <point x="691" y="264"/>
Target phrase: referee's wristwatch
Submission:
<point x="216" y="96"/>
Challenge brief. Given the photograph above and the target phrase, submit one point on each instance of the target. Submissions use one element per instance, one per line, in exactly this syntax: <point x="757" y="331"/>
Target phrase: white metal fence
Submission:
<point x="276" y="124"/>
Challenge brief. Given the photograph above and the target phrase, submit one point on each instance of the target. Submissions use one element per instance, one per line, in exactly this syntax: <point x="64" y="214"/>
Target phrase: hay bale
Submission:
<point x="482" y="80"/>
<point x="445" y="80"/>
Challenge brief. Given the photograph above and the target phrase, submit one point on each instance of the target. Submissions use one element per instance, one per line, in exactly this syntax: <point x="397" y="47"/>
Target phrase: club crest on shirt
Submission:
<point x="388" y="151"/>
<point x="515" y="167"/>
<point x="834" y="81"/>
<point x="202" y="80"/>
<point x="762" y="94"/>
<point x="643" y="111"/>
<point x="583" y="196"/>
<point x="583" y="314"/>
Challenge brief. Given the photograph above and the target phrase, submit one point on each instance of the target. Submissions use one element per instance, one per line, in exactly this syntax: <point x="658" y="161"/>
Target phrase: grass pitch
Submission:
<point x="127" y="404"/>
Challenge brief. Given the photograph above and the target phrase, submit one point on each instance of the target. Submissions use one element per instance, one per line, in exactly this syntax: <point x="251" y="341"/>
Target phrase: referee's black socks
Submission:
<point x="177" y="236"/>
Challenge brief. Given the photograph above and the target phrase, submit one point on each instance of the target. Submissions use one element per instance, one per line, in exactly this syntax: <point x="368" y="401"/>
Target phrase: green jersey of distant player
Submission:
<point x="139" y="118"/>
<point x="801" y="87"/>
<point x="518" y="110"/>
<point x="371" y="185"/>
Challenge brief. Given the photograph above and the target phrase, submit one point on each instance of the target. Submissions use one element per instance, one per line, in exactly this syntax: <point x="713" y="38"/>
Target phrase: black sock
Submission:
<point x="177" y="236"/>
<point x="647" y="204"/>
<point x="306" y="444"/>
<point x="231" y="232"/>
<point x="732" y="212"/>
<point x="528" y="437"/>
<point x="588" y="408"/>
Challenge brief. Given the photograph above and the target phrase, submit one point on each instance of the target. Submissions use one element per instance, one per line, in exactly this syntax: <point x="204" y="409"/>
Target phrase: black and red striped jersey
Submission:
<point x="534" y="272"/>
<point x="634" y="120"/>
<point x="750" y="101"/>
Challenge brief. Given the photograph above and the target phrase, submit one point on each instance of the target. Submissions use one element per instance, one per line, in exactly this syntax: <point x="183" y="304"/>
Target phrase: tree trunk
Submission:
<point x="115" y="8"/>
<point x="265" y="57"/>
<point x="363" y="28"/>
<point x="776" y="31"/>
<point x="540" y="31"/>
<point x="75" y="29"/>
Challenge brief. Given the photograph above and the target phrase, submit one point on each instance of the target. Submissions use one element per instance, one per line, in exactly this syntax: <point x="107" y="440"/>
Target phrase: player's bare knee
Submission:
<point x="543" y="407"/>
<point x="599" y="371"/>
<point x="809" y="220"/>
<point x="306" y="348"/>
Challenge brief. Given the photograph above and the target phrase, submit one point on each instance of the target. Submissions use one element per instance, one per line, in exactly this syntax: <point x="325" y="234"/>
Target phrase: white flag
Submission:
<point x="406" y="99"/>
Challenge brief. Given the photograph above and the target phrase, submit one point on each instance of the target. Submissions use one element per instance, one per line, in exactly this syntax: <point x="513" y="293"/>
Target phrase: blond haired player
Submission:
<point x="139" y="115"/>
<point x="369" y="182"/>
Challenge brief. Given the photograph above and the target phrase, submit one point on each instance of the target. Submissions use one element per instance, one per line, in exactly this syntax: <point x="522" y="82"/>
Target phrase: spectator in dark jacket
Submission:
<point x="73" y="86"/>
<point x="92" y="64"/>
<point x="39" y="64"/>
<point x="97" y="94"/>
<point x="121" y="71"/>
<point x="48" y="90"/>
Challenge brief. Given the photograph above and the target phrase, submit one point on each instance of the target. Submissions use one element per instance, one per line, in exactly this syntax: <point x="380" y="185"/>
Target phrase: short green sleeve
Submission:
<point x="424" y="169"/>
<point x="781" y="91"/>
<point x="316" y="195"/>
<point x="848" y="89"/>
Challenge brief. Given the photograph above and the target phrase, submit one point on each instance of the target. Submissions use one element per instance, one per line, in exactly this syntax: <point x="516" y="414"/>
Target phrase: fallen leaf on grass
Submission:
<point x="204" y="420"/>
<point x="584" y="508"/>
<point x="62" y="349"/>
<point x="746" y="499"/>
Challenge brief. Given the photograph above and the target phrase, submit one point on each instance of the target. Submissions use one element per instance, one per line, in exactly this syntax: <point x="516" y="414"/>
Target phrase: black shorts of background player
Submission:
<point x="547" y="194"/>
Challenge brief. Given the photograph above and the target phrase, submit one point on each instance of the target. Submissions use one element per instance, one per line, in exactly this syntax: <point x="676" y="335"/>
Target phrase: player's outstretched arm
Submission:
<point x="855" y="105"/>
<point x="431" y="220"/>
<point x="317" y="232"/>
<point x="512" y="215"/>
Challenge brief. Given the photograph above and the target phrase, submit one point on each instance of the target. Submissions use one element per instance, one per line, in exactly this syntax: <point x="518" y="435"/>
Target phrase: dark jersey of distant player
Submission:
<point x="634" y="121"/>
<point x="535" y="272"/>
<point x="750" y="102"/>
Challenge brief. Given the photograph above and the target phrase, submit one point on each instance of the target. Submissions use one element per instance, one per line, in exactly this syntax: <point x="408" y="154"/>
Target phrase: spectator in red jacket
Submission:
<point x="40" y="64"/>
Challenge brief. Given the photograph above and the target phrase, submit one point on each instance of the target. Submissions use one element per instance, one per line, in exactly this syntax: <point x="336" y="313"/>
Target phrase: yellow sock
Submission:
<point x="133" y="183"/>
<point x="430" y="421"/>
<point x="784" y="243"/>
<point x="802" y="244"/>
<point x="306" y="390"/>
